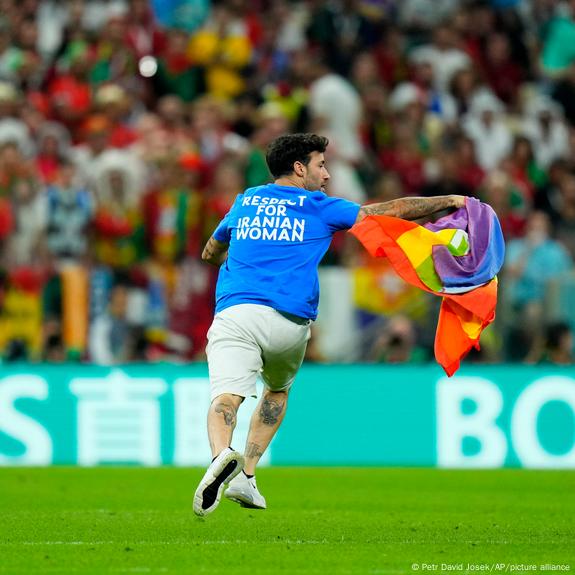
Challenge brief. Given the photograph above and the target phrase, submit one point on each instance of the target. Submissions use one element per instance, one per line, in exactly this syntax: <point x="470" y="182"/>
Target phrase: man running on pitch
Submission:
<point x="269" y="247"/>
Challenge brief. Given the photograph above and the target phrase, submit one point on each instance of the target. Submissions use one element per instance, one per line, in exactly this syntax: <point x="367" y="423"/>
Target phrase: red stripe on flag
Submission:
<point x="451" y="343"/>
<point x="373" y="230"/>
<point x="379" y="235"/>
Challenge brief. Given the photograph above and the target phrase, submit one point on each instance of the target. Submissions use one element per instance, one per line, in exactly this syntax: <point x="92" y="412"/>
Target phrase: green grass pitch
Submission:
<point x="319" y="521"/>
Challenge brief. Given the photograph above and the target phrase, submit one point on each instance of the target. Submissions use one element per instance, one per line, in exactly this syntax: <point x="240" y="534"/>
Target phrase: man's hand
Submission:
<point x="215" y="252"/>
<point x="458" y="201"/>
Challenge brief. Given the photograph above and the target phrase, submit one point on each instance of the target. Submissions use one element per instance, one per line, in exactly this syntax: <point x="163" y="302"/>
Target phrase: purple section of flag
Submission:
<point x="486" y="247"/>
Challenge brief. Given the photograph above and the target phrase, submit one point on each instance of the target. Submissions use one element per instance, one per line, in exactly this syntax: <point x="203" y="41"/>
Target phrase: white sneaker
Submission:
<point x="243" y="490"/>
<point x="221" y="471"/>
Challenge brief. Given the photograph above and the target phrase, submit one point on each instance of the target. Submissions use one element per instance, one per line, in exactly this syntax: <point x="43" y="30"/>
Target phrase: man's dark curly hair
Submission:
<point x="285" y="150"/>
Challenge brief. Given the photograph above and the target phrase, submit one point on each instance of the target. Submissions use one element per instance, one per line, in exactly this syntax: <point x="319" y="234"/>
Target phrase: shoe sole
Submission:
<point x="243" y="502"/>
<point x="209" y="491"/>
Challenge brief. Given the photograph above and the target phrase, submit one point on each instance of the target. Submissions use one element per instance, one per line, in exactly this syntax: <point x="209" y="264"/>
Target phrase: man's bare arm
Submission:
<point x="215" y="252"/>
<point x="411" y="208"/>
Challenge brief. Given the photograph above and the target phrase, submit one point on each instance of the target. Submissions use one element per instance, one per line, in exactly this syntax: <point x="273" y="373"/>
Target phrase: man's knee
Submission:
<point x="273" y="406"/>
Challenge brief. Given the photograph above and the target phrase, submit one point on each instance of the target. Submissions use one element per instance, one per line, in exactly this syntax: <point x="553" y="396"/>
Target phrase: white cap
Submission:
<point x="404" y="95"/>
<point x="542" y="104"/>
<point x="422" y="55"/>
<point x="486" y="101"/>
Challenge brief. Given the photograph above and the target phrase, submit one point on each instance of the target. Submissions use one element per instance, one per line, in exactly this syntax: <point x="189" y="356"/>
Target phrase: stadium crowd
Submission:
<point x="127" y="127"/>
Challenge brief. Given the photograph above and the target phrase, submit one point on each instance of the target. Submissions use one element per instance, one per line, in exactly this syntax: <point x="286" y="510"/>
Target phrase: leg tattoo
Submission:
<point x="270" y="411"/>
<point x="228" y="411"/>
<point x="253" y="450"/>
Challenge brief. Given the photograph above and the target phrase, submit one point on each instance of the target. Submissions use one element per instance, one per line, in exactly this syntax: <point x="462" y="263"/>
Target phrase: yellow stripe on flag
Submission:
<point x="417" y="243"/>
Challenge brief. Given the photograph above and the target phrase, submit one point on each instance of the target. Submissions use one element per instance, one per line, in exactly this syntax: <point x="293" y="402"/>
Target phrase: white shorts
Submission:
<point x="248" y="339"/>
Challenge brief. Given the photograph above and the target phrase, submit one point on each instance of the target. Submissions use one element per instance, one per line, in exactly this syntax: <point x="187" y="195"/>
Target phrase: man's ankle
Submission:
<point x="220" y="452"/>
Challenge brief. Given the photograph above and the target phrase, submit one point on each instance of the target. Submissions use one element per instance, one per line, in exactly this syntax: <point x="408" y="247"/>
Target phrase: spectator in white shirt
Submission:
<point x="445" y="57"/>
<point x="486" y="126"/>
<point x="545" y="127"/>
<point x="336" y="111"/>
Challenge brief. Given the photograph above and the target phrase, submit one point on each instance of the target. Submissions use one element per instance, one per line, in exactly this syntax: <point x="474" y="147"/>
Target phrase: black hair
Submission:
<point x="283" y="152"/>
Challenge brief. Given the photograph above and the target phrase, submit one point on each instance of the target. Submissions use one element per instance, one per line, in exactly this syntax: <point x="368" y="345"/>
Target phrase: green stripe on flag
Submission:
<point x="428" y="275"/>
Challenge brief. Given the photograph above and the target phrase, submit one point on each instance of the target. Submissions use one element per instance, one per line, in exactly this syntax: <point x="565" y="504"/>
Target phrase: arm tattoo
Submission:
<point x="408" y="208"/>
<point x="270" y="411"/>
<point x="253" y="451"/>
<point x="228" y="412"/>
<point x="215" y="252"/>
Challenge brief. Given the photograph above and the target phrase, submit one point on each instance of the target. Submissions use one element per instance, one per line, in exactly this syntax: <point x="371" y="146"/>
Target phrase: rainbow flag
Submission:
<point x="457" y="258"/>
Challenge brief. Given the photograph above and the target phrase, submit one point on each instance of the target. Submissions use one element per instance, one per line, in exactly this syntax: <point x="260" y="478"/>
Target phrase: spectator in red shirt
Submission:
<point x="114" y="103"/>
<point x="53" y="147"/>
<point x="503" y="74"/>
<point x="70" y="91"/>
<point x="143" y="33"/>
<point x="390" y="56"/>
<point x="471" y="173"/>
<point x="405" y="158"/>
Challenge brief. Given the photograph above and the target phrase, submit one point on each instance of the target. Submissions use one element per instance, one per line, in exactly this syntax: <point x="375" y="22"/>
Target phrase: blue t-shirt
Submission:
<point x="277" y="236"/>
